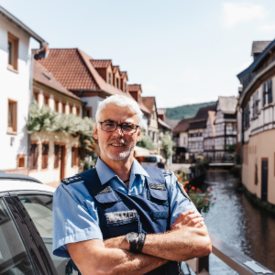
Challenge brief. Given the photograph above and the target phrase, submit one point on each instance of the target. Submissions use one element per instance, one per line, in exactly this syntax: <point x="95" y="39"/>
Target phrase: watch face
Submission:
<point x="132" y="236"/>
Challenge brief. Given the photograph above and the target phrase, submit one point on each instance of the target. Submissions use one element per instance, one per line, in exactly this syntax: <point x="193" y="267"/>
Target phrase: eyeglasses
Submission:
<point x="111" y="126"/>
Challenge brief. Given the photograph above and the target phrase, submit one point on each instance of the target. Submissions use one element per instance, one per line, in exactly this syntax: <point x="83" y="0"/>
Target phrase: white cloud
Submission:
<point x="266" y="28"/>
<point x="234" y="13"/>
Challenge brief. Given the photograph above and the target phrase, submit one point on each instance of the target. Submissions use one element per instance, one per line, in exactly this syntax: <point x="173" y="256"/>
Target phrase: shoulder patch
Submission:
<point x="183" y="191"/>
<point x="71" y="180"/>
<point x="166" y="171"/>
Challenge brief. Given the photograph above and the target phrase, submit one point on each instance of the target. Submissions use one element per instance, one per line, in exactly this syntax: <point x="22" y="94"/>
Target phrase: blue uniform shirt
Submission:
<point x="75" y="216"/>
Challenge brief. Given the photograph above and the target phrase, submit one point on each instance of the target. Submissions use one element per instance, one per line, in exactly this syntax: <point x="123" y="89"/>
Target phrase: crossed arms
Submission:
<point x="187" y="239"/>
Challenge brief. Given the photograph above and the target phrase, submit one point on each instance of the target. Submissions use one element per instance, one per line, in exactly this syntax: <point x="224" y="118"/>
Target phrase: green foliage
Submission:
<point x="168" y="145"/>
<point x="86" y="164"/>
<point x="48" y="120"/>
<point x="145" y="141"/>
<point x="186" y="111"/>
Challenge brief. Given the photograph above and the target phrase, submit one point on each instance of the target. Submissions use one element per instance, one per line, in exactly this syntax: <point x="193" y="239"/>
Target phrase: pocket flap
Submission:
<point x="121" y="217"/>
<point x="106" y="195"/>
<point x="158" y="191"/>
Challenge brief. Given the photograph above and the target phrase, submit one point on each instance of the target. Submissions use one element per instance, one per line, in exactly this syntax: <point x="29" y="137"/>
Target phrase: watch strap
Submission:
<point x="141" y="241"/>
<point x="133" y="246"/>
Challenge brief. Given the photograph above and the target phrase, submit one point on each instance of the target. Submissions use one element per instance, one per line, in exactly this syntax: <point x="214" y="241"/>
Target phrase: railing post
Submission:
<point x="203" y="263"/>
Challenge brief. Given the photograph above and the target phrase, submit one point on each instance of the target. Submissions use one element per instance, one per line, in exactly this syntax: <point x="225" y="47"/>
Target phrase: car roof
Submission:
<point x="7" y="185"/>
<point x="19" y="177"/>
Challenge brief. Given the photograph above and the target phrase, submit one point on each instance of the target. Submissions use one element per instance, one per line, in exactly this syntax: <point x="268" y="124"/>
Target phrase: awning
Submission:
<point x="141" y="152"/>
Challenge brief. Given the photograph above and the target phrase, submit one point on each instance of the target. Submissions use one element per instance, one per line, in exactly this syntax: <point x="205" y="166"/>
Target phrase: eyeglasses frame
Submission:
<point x="120" y="125"/>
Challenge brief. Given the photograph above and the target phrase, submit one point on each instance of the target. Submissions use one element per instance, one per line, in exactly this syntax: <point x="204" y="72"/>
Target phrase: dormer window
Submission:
<point x="109" y="78"/>
<point x="117" y="84"/>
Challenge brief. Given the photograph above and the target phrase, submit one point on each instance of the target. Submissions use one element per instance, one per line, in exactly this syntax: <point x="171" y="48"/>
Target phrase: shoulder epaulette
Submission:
<point x="71" y="180"/>
<point x="166" y="171"/>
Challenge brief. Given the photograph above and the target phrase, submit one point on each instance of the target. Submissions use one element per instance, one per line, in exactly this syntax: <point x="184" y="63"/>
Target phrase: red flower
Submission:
<point x="207" y="196"/>
<point x="186" y="190"/>
<point x="214" y="198"/>
<point x="205" y="201"/>
<point x="193" y="188"/>
<point x="187" y="182"/>
<point x="211" y="189"/>
<point x="199" y="190"/>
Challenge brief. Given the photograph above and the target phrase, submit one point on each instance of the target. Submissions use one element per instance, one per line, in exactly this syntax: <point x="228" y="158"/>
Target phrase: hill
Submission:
<point x="185" y="111"/>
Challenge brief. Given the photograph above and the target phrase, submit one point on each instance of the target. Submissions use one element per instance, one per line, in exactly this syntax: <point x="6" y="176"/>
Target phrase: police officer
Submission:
<point x="120" y="217"/>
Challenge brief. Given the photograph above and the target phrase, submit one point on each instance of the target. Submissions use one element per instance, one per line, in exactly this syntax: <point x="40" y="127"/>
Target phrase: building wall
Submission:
<point x="183" y="140"/>
<point x="259" y="146"/>
<point x="15" y="86"/>
<point x="93" y="101"/>
<point x="52" y="174"/>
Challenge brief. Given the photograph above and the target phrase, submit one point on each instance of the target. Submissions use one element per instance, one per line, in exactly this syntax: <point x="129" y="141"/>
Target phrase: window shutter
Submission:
<point x="56" y="155"/>
<point x="45" y="155"/>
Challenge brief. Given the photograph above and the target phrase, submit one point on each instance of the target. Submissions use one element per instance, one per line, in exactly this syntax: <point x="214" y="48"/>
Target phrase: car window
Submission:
<point x="39" y="208"/>
<point x="13" y="255"/>
<point x="150" y="159"/>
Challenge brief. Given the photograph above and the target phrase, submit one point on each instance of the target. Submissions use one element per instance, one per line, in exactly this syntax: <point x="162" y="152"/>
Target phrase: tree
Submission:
<point x="167" y="144"/>
<point x="145" y="141"/>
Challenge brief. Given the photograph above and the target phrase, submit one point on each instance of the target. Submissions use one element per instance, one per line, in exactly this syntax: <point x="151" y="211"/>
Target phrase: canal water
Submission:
<point x="237" y="222"/>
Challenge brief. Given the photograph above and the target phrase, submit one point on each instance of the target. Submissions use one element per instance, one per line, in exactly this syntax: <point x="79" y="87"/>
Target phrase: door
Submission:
<point x="62" y="161"/>
<point x="22" y="250"/>
<point x="264" y="179"/>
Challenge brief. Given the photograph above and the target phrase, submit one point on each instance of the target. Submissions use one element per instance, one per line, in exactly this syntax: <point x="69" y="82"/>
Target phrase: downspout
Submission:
<point x="33" y="53"/>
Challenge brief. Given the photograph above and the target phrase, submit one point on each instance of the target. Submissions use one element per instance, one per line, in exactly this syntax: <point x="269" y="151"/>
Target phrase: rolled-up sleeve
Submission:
<point x="178" y="202"/>
<point x="75" y="217"/>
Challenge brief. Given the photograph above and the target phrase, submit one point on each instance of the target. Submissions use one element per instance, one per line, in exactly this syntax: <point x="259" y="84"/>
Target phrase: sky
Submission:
<point x="182" y="52"/>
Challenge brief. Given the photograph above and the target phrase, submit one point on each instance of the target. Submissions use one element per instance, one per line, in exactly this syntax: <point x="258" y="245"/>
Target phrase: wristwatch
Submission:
<point x="132" y="239"/>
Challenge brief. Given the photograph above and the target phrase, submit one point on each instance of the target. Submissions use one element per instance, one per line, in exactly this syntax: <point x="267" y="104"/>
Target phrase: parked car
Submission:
<point x="152" y="160"/>
<point x="26" y="227"/>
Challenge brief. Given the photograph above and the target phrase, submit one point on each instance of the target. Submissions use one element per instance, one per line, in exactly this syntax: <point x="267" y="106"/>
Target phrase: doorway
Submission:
<point x="264" y="178"/>
<point x="62" y="161"/>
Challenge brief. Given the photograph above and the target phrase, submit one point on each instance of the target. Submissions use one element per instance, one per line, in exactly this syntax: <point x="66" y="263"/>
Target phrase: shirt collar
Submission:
<point x="105" y="173"/>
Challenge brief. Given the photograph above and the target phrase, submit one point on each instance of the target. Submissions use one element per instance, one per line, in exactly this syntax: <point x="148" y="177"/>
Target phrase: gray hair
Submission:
<point x="122" y="101"/>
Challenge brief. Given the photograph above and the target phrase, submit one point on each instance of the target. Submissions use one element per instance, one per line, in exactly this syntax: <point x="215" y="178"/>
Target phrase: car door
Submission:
<point x="39" y="206"/>
<point x="22" y="250"/>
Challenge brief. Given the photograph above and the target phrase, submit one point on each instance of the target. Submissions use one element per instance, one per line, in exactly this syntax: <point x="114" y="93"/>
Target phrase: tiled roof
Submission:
<point x="202" y="113"/>
<point x="134" y="87"/>
<point x="69" y="68"/>
<point x="115" y="69"/>
<point x="228" y="104"/>
<point x="101" y="63"/>
<point x="199" y="124"/>
<point x="259" y="46"/>
<point x="149" y="102"/>
<point x="182" y="126"/>
<point x="43" y="76"/>
<point x="124" y="74"/>
<point x="163" y="124"/>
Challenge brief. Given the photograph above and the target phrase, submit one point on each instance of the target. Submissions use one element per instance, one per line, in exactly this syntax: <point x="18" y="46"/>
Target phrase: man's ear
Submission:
<point x="95" y="131"/>
<point x="138" y="135"/>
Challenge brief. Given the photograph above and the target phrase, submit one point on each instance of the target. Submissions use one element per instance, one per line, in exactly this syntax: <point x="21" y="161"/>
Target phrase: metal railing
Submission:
<point x="241" y="263"/>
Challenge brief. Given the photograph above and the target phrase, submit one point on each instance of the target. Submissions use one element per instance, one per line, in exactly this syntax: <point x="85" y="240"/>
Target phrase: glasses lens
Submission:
<point x="109" y="126"/>
<point x="128" y="128"/>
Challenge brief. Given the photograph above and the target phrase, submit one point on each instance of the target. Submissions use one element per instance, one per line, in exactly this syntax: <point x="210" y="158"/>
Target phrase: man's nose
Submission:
<point x="119" y="130"/>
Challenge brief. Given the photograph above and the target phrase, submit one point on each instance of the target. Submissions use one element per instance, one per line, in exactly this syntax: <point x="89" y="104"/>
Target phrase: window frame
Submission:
<point x="34" y="168"/>
<point x="45" y="158"/>
<point x="15" y="42"/>
<point x="14" y="114"/>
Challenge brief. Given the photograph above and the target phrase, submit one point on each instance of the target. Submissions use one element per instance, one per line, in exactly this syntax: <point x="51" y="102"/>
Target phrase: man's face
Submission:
<point x="116" y="145"/>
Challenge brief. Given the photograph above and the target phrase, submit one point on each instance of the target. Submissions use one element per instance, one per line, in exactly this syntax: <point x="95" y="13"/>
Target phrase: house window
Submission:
<point x="269" y="90"/>
<point x="117" y="84"/>
<point x="255" y="104"/>
<point x="125" y="85"/>
<point x="34" y="156"/>
<point x="12" y="116"/>
<point x="45" y="155"/>
<point x="246" y="115"/>
<point x="56" y="155"/>
<point x="109" y="78"/>
<point x="88" y="112"/>
<point x="71" y="109"/>
<point x="77" y="111"/>
<point x="12" y="52"/>
<point x="36" y="96"/>
<point x="64" y="108"/>
<point x="21" y="161"/>
<point x="74" y="156"/>
<point x="56" y="102"/>
<point x="264" y="94"/>
<point x="46" y="100"/>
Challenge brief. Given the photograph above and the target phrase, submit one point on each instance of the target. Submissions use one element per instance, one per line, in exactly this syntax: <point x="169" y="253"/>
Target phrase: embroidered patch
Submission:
<point x="108" y="189"/>
<point x="121" y="216"/>
<point x="160" y="214"/>
<point x="72" y="180"/>
<point x="166" y="171"/>
<point x="183" y="191"/>
<point x="158" y="186"/>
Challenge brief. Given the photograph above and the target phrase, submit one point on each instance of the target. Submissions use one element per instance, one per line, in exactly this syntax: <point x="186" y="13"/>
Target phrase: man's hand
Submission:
<point x="188" y="218"/>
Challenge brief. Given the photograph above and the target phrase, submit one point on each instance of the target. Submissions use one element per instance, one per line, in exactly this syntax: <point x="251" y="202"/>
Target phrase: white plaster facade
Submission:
<point x="14" y="85"/>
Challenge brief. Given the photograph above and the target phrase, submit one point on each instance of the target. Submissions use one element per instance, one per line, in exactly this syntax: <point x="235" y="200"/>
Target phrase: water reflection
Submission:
<point x="238" y="223"/>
